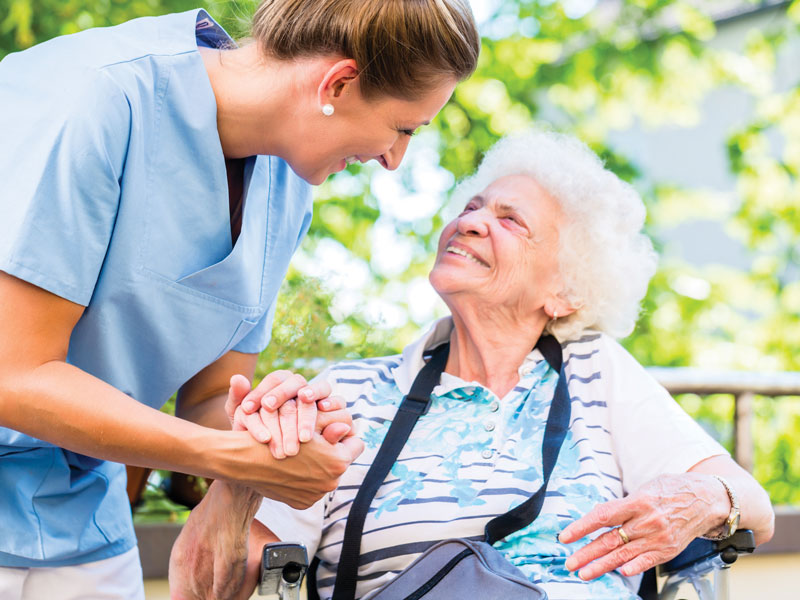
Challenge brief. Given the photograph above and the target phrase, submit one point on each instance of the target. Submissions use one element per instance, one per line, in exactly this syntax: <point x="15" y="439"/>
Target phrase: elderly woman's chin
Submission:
<point x="449" y="279"/>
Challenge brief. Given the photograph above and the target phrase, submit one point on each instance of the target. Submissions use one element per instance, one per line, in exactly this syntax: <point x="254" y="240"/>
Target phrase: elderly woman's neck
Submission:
<point x="490" y="351"/>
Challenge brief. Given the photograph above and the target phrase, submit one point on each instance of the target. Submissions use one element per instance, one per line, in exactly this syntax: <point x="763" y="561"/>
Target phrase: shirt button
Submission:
<point x="526" y="371"/>
<point x="494" y="406"/>
<point x="489" y="426"/>
<point x="487" y="454"/>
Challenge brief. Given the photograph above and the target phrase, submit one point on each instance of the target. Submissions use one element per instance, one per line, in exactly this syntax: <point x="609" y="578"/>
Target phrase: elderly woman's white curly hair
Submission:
<point x="605" y="260"/>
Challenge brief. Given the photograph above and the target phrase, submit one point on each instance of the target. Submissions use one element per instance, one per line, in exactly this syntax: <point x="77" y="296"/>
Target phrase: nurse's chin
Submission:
<point x="312" y="177"/>
<point x="318" y="178"/>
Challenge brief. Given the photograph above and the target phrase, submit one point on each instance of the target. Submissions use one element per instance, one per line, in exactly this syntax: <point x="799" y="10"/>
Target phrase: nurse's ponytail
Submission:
<point x="403" y="48"/>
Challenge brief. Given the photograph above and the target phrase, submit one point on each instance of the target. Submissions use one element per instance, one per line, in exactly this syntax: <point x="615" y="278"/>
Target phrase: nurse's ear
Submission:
<point x="337" y="83"/>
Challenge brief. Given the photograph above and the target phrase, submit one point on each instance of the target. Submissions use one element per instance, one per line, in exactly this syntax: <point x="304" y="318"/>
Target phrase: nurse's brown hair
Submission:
<point x="402" y="48"/>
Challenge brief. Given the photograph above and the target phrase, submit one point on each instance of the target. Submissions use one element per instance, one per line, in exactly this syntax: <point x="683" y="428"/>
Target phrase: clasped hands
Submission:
<point x="284" y="411"/>
<point x="210" y="557"/>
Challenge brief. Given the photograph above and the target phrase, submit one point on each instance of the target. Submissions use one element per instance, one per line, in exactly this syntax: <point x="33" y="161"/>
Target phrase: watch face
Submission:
<point x="733" y="525"/>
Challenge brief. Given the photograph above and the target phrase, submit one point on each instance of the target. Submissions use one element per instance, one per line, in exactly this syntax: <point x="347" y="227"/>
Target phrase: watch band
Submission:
<point x="732" y="521"/>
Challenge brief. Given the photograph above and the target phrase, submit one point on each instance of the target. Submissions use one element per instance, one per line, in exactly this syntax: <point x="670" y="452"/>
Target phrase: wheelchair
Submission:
<point x="703" y="564"/>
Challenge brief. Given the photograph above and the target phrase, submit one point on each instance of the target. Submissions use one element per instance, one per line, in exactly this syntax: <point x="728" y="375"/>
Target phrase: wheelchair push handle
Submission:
<point x="283" y="566"/>
<point x="700" y="549"/>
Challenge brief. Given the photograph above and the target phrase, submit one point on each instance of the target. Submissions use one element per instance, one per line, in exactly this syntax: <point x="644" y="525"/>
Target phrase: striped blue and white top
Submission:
<point x="474" y="456"/>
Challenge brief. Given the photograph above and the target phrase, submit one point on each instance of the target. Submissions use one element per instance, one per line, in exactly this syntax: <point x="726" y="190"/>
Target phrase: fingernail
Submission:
<point x="263" y="437"/>
<point x="270" y="402"/>
<point x="569" y="564"/>
<point x="291" y="450"/>
<point x="309" y="394"/>
<point x="248" y="406"/>
<point x="324" y="404"/>
<point x="305" y="435"/>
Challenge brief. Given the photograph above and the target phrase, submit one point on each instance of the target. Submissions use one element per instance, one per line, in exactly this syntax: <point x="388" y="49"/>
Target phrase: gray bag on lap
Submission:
<point x="460" y="568"/>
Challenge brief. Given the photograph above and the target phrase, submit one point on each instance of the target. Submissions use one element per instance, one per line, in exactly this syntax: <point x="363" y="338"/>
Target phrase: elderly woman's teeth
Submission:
<point x="350" y="160"/>
<point x="465" y="254"/>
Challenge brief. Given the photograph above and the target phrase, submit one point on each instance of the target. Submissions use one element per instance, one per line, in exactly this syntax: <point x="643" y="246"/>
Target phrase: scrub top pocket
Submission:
<point x="187" y="240"/>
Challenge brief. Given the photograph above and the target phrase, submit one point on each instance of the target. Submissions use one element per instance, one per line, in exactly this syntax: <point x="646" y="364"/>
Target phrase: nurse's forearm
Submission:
<point x="202" y="398"/>
<point x="63" y="405"/>
<point x="210" y="413"/>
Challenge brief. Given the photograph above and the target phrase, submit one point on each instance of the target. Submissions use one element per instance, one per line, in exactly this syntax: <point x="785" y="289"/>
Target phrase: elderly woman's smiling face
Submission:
<point x="502" y="250"/>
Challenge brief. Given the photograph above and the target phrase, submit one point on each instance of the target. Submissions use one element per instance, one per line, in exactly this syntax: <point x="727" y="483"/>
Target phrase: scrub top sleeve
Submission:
<point x="62" y="160"/>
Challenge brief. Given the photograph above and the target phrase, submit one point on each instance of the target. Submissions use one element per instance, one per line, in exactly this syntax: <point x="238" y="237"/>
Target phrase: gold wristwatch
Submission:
<point x="731" y="524"/>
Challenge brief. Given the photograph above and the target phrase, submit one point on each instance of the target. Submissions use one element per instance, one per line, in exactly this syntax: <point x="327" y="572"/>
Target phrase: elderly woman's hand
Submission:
<point x="284" y="429"/>
<point x="209" y="557"/>
<point x="659" y="520"/>
<point x="273" y="392"/>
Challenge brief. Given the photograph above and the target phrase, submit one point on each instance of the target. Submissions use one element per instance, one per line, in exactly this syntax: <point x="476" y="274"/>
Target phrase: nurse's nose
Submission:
<point x="394" y="156"/>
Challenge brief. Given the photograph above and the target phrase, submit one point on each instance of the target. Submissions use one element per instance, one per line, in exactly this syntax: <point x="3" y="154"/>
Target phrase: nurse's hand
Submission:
<point x="299" y="480"/>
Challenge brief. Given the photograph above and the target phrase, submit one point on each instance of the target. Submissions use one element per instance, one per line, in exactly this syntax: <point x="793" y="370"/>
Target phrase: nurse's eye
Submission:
<point x="408" y="132"/>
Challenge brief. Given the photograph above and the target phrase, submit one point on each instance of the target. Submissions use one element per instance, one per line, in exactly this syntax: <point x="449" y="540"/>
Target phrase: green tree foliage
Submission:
<point x="590" y="68"/>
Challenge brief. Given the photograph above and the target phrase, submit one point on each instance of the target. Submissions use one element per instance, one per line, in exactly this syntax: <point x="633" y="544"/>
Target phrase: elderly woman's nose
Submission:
<point x="473" y="222"/>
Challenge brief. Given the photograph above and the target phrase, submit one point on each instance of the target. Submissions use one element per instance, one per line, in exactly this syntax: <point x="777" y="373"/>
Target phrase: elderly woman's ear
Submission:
<point x="558" y="309"/>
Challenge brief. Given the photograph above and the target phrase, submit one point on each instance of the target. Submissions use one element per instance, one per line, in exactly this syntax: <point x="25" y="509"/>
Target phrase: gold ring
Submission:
<point x="623" y="536"/>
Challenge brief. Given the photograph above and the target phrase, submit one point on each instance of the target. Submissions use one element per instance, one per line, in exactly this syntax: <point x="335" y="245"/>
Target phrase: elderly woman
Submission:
<point x="548" y="241"/>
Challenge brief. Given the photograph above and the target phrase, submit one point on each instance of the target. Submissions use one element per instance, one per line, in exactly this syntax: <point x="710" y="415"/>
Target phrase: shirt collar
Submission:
<point x="209" y="34"/>
<point x="439" y="333"/>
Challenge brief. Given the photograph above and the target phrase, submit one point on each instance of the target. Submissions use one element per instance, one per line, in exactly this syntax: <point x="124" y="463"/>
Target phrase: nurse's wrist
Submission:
<point x="232" y="455"/>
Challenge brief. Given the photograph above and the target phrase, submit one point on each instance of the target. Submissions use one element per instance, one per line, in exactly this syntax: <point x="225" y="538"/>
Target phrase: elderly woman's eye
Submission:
<point x="408" y="132"/>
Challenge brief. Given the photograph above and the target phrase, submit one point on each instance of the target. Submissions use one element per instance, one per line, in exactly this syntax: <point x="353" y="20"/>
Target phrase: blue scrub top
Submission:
<point x="115" y="197"/>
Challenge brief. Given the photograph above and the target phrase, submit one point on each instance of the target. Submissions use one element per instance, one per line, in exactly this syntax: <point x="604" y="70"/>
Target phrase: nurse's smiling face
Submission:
<point x="363" y="130"/>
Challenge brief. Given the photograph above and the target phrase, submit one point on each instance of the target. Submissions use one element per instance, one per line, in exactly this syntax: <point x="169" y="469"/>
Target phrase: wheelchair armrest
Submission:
<point x="729" y="550"/>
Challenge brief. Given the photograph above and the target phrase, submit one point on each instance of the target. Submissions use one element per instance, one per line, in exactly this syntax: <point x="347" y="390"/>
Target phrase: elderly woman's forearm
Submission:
<point x="754" y="505"/>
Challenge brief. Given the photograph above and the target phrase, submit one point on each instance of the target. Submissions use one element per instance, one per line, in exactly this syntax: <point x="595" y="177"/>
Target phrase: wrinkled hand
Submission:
<point x="334" y="424"/>
<point x="660" y="519"/>
<point x="274" y="390"/>
<point x="209" y="559"/>
<point x="296" y="418"/>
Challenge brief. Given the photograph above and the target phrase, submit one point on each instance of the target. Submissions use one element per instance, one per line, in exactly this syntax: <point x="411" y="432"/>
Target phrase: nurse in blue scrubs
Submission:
<point x="155" y="183"/>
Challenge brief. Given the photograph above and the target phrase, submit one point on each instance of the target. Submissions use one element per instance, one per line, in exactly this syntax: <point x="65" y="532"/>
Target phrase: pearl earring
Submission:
<point x="327" y="109"/>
